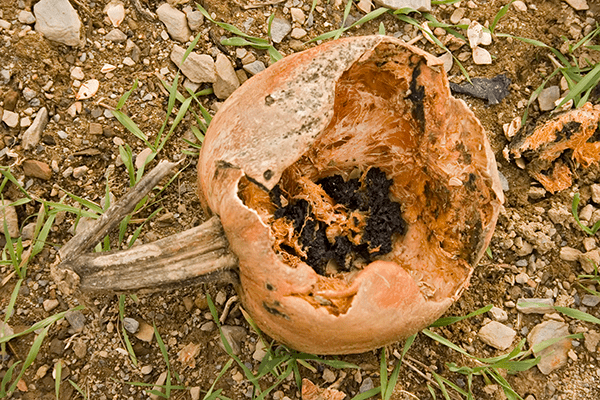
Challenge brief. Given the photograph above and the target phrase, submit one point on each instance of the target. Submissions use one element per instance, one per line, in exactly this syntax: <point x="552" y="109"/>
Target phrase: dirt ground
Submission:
<point x="533" y="226"/>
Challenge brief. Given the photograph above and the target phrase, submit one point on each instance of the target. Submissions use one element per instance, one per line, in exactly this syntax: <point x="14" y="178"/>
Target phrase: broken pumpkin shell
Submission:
<point x="355" y="103"/>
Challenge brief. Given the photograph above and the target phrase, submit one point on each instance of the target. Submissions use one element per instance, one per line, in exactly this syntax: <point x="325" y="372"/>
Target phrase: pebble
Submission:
<point x="419" y="5"/>
<point x="298" y="33"/>
<point x="457" y="15"/>
<point x="195" y="393"/>
<point x="37" y="169"/>
<point x="8" y="215"/>
<point x="548" y="97"/>
<point x="80" y="172"/>
<point x="116" y="12"/>
<point x="367" y="384"/>
<point x="260" y="352"/>
<point x="497" y="335"/>
<point x="448" y="61"/>
<point x="280" y="27"/>
<point x="595" y="188"/>
<point x="146" y="369"/>
<point x="10" y="100"/>
<point x="88" y="89"/>
<point x="570" y="254"/>
<point x="197" y="67"/>
<point x="145" y="332"/>
<point x="234" y="336"/>
<point x="590" y="300"/>
<point x="5" y="329"/>
<point x="10" y="118"/>
<point x="579" y="5"/>
<point x="76" y="319"/>
<point x="555" y="356"/>
<point x="131" y="325"/>
<point x="62" y="134"/>
<point x="498" y="314"/>
<point x="50" y="304"/>
<point x="535" y="306"/>
<point x="25" y="17"/>
<point x="329" y="376"/>
<point x="227" y="80"/>
<point x="28" y="94"/>
<point x="195" y="18"/>
<point x="536" y="192"/>
<point x="221" y="298"/>
<point x="208" y="326"/>
<point x="589" y="243"/>
<point x="57" y="20"/>
<point x="116" y="35"/>
<point x="140" y="160"/>
<point x="481" y="56"/>
<point x="254" y="68"/>
<point x="298" y="15"/>
<point x="591" y="340"/>
<point x="477" y="35"/>
<point x="175" y="21"/>
<point x="6" y="26"/>
<point x="95" y="128"/>
<point x="519" y="5"/>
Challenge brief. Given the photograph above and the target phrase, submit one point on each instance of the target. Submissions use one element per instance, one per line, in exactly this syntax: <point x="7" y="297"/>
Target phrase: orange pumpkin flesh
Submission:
<point x="340" y="109"/>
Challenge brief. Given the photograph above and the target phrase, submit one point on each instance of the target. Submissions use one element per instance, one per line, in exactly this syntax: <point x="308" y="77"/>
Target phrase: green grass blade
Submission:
<point x="57" y="378"/>
<point x="577" y="314"/>
<point x="383" y="371"/>
<point x="444" y="321"/>
<point x="368" y="394"/>
<point x="40" y="239"/>
<point x="499" y="16"/>
<point x="40" y="325"/>
<point x="13" y="299"/>
<point x="590" y="80"/>
<point x="33" y="352"/>
<point x="126" y="95"/>
<point x="131" y="126"/>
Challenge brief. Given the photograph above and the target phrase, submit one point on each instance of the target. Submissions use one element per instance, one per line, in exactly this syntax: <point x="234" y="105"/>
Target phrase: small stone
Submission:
<point x="481" y="56"/>
<point x="50" y="304"/>
<point x="25" y="17"/>
<point x="145" y="332"/>
<point x="197" y="67"/>
<point x="548" y="97"/>
<point x="140" y="160"/>
<point x="88" y="89"/>
<point x="80" y="172"/>
<point x="195" y="393"/>
<point x="8" y="215"/>
<point x="77" y="73"/>
<point x="260" y="352"/>
<point x="6" y="330"/>
<point x="590" y="300"/>
<point x="579" y="5"/>
<point x="28" y="94"/>
<point x="589" y="243"/>
<point x="367" y="384"/>
<point x="234" y="336"/>
<point x="298" y="33"/>
<point x="10" y="118"/>
<point x="364" y="6"/>
<point x="522" y="278"/>
<point x="535" y="306"/>
<point x="227" y="80"/>
<point x="329" y="376"/>
<point x="57" y="20"/>
<point x="195" y="19"/>
<point x="128" y="61"/>
<point x="555" y="356"/>
<point x="591" y="340"/>
<point x="146" y="369"/>
<point x="116" y="35"/>
<point x="299" y="17"/>
<point x="457" y="15"/>
<point x="175" y="21"/>
<point x="497" y="335"/>
<point x="80" y="349"/>
<point x="76" y="319"/>
<point x="595" y="193"/>
<point x="115" y="12"/>
<point x="536" y="192"/>
<point x="131" y="325"/>
<point x="10" y="100"/>
<point x="254" y="67"/>
<point x="498" y="314"/>
<point x="419" y="5"/>
<point x="280" y="27"/>
<point x="570" y="254"/>
<point x="519" y="5"/>
<point x="95" y="128"/>
<point x="25" y="122"/>
<point x="37" y="169"/>
<point x="220" y="298"/>
<point x="208" y="326"/>
<point x="448" y="61"/>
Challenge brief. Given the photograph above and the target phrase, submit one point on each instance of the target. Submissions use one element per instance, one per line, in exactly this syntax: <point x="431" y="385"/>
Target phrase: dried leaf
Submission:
<point x="187" y="355"/>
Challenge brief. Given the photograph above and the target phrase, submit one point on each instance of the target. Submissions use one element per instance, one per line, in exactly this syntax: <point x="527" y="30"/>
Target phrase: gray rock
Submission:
<point x="497" y="335"/>
<point x="5" y="330"/>
<point x="227" y="79"/>
<point x="28" y="94"/>
<point x="555" y="356"/>
<point x="76" y="319"/>
<point x="131" y="325"/>
<point x="535" y="306"/>
<point x="547" y="98"/>
<point x="280" y="27"/>
<point x="175" y="22"/>
<point x="420" y="5"/>
<point x="590" y="300"/>
<point x="254" y="67"/>
<point x="33" y="134"/>
<point x="197" y="68"/>
<point x="195" y="19"/>
<point x="57" y="20"/>
<point x="25" y="17"/>
<point x="116" y="35"/>
<point x="8" y="214"/>
<point x="498" y="314"/>
<point x="234" y="336"/>
<point x="367" y="384"/>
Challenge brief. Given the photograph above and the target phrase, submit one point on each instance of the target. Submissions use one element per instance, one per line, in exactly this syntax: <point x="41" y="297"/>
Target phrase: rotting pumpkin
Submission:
<point x="343" y="109"/>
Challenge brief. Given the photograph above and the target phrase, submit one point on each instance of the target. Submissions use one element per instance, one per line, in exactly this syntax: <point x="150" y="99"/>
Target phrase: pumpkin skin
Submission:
<point x="359" y="102"/>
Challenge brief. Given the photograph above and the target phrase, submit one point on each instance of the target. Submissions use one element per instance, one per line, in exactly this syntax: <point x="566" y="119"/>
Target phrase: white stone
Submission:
<point x="8" y="214"/>
<point x="498" y="314"/>
<point x="25" y="122"/>
<point x="77" y="73"/>
<point x="457" y="15"/>
<point x="10" y="118"/>
<point x="589" y="243"/>
<point x="88" y="89"/>
<point x="522" y="278"/>
<point x="33" y="134"/>
<point x="106" y="68"/>
<point x="555" y="356"/>
<point x="595" y="193"/>
<point x="140" y="160"/>
<point x="481" y="56"/>
<point x="548" y="97"/>
<point x="365" y="6"/>
<point x="535" y="306"/>
<point x="195" y="19"/>
<point x="579" y="5"/>
<point x="128" y="61"/>
<point x="116" y="35"/>
<point x="519" y="5"/>
<point x="57" y="20"/>
<point x="25" y="17"/>
<point x="419" y="5"/>
<point x="227" y="79"/>
<point x="197" y="67"/>
<point x="5" y="24"/>
<point x="299" y="17"/>
<point x="175" y="21"/>
<point x="115" y="12"/>
<point x="497" y="335"/>
<point x="50" y="304"/>
<point x="569" y="254"/>
<point x="254" y="68"/>
<point x="280" y="27"/>
<point x="298" y="33"/>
